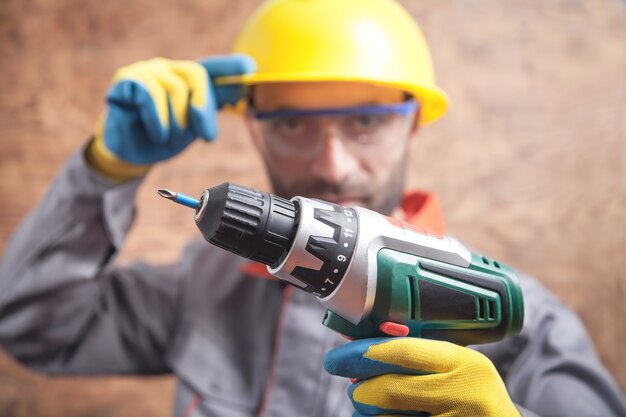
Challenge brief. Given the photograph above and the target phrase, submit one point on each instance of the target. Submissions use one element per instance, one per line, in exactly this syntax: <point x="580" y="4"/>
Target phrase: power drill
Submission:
<point x="376" y="276"/>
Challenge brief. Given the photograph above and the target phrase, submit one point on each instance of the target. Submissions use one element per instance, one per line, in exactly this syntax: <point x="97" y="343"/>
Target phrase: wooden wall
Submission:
<point x="529" y="163"/>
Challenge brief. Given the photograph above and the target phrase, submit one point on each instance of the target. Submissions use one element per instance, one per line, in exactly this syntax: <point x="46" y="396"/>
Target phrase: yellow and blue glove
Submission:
<point x="420" y="377"/>
<point x="156" y="108"/>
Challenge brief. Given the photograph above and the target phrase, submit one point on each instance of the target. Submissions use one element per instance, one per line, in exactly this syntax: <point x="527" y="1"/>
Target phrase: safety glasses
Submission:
<point x="362" y="129"/>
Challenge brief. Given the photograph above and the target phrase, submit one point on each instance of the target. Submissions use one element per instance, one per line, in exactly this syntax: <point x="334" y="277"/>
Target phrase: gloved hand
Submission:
<point x="156" y="108"/>
<point x="420" y="377"/>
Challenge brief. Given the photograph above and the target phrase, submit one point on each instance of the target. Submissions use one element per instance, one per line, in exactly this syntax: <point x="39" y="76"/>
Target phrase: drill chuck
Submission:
<point x="253" y="224"/>
<point x="263" y="227"/>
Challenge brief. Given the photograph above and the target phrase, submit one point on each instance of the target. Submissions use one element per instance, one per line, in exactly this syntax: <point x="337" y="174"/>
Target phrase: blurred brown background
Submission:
<point x="529" y="163"/>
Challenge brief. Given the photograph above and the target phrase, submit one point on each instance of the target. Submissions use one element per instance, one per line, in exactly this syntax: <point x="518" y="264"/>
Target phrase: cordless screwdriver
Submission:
<point x="375" y="275"/>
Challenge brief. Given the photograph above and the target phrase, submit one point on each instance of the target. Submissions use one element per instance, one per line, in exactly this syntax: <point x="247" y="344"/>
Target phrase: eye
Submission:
<point x="365" y="120"/>
<point x="367" y="123"/>
<point x="289" y="126"/>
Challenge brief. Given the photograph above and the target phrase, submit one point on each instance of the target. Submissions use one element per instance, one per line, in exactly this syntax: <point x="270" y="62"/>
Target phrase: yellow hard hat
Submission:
<point x="371" y="41"/>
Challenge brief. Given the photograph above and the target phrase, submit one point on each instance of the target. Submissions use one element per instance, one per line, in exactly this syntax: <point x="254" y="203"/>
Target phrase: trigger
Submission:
<point x="393" y="329"/>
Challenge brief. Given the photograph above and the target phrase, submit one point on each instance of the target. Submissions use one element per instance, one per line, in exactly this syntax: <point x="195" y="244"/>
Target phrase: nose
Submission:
<point x="334" y="162"/>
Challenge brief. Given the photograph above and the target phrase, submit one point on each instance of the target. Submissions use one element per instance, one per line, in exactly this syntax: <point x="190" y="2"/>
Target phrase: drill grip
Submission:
<point x="478" y="304"/>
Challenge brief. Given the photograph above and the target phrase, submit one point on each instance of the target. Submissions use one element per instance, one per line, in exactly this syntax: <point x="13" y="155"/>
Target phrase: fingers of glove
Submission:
<point x="202" y="105"/>
<point x="228" y="65"/>
<point x="357" y="414"/>
<point x="225" y="65"/>
<point x="462" y="393"/>
<point x="129" y="142"/>
<point x="169" y="88"/>
<point x="367" y="358"/>
<point x="176" y="88"/>
<point x="132" y="97"/>
<point x="400" y="394"/>
<point x="370" y="357"/>
<point x="375" y="411"/>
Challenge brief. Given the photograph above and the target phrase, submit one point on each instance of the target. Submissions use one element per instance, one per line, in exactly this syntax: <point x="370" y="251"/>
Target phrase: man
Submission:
<point x="336" y="99"/>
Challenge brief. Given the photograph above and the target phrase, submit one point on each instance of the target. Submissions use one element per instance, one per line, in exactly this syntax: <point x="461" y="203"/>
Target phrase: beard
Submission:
<point x="381" y="197"/>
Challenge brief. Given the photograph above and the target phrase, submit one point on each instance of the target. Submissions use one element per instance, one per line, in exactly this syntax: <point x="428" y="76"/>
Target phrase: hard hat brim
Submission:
<point x="433" y="101"/>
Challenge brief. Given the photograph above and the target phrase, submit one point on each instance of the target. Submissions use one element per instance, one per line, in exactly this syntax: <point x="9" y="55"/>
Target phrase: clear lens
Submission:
<point x="361" y="133"/>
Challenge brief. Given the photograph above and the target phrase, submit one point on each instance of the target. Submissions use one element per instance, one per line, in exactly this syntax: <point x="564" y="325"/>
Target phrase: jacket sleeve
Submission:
<point x="551" y="367"/>
<point x="64" y="306"/>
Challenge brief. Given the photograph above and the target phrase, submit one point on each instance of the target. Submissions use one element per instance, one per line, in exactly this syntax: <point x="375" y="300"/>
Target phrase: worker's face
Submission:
<point x="349" y="159"/>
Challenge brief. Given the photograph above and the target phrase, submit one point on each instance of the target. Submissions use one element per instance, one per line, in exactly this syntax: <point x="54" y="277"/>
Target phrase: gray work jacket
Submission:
<point x="240" y="346"/>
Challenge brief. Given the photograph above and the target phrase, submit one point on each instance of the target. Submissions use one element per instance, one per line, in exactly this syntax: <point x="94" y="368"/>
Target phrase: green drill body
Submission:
<point x="478" y="304"/>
